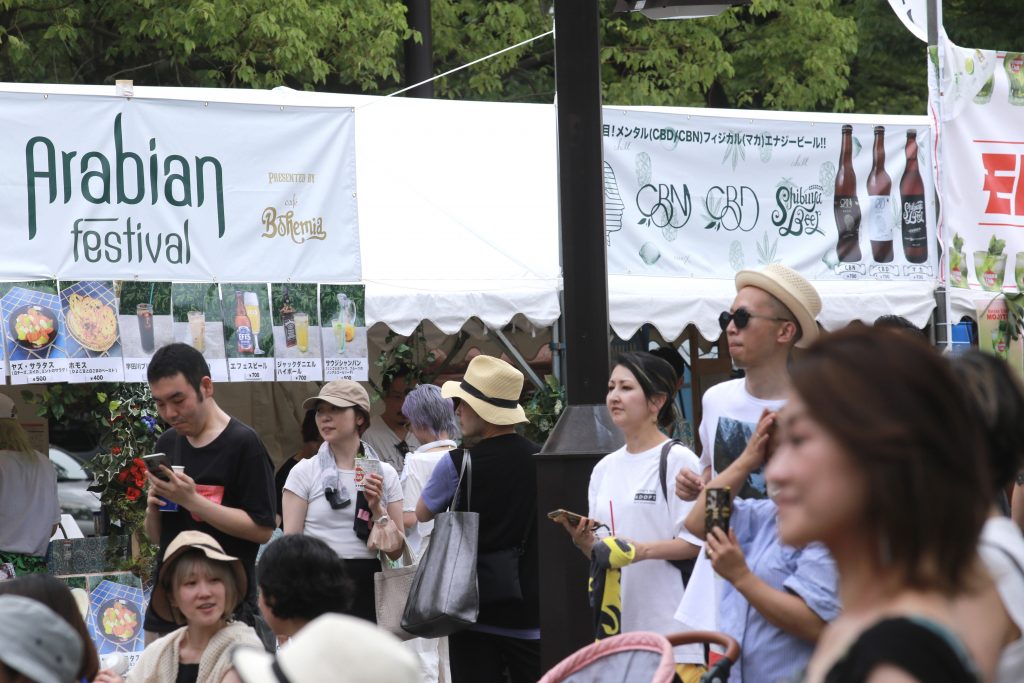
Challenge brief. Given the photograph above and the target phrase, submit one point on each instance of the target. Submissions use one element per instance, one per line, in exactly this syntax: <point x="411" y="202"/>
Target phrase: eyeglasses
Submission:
<point x="741" y="317"/>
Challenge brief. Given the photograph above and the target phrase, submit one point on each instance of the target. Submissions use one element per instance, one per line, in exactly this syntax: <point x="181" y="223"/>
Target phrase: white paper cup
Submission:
<point x="364" y="468"/>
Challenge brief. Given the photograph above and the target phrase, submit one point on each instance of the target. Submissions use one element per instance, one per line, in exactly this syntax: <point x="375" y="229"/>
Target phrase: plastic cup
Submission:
<point x="169" y="506"/>
<point x="364" y="468"/>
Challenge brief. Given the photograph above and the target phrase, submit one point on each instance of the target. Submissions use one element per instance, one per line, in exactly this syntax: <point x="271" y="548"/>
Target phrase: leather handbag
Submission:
<point x="444" y="597"/>
<point x="391" y="587"/>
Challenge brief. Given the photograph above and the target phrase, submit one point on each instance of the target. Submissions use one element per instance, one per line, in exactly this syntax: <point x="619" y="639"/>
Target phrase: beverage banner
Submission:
<point x="35" y="334"/>
<point x="146" y="324"/>
<point x="111" y="187"/>
<point x="343" y="332"/>
<point x="994" y="333"/>
<point x="92" y="341"/>
<point x="297" y="353"/>
<point x="249" y="342"/>
<point x="981" y="172"/>
<point x="705" y="196"/>
<point x="198" y="322"/>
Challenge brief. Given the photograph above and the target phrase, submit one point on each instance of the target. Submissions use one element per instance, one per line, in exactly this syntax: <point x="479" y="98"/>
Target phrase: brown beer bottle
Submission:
<point x="243" y="326"/>
<point x="915" y="228"/>
<point x="880" y="219"/>
<point x="846" y="205"/>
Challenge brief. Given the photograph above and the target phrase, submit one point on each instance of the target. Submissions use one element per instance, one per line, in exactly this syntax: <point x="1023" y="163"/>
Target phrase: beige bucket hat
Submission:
<point x="793" y="290"/>
<point x="492" y="388"/>
<point x="160" y="600"/>
<point x="342" y="393"/>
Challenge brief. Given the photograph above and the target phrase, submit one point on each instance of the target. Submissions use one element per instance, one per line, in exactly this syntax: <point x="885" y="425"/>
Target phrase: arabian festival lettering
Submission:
<point x="125" y="180"/>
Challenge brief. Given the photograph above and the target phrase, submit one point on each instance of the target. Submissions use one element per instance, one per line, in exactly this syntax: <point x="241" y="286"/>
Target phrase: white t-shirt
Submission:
<point x="629" y="485"/>
<point x="415" y="475"/>
<point x="729" y="420"/>
<point x="1001" y="539"/>
<point x="28" y="502"/>
<point x="335" y="527"/>
<point x="384" y="442"/>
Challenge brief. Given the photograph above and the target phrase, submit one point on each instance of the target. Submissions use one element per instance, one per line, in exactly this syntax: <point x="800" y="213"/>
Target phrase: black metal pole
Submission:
<point x="419" y="57"/>
<point x="584" y="432"/>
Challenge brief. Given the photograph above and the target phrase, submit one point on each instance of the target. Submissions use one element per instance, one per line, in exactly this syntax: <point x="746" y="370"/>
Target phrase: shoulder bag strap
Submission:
<point x="663" y="466"/>
<point x="467" y="473"/>
<point x="1009" y="555"/>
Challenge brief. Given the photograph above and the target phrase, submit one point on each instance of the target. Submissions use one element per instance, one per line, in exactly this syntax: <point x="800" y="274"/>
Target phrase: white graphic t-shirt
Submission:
<point x="729" y="420"/>
<point x="627" y="486"/>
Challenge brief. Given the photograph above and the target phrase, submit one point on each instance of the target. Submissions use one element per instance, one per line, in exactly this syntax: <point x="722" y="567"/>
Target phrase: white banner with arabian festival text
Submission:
<point x="100" y="188"/>
<point x="705" y="196"/>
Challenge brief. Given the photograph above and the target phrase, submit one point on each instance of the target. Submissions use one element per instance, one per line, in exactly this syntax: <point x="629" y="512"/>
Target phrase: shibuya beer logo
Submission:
<point x="797" y="209"/>
<point x="128" y="179"/>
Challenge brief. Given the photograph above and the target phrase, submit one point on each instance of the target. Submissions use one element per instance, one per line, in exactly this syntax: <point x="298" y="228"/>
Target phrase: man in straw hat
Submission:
<point x="226" y="488"/>
<point x="503" y="490"/>
<point x="773" y="312"/>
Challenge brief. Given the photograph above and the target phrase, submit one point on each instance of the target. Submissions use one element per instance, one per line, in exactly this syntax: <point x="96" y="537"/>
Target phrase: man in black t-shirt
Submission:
<point x="227" y="487"/>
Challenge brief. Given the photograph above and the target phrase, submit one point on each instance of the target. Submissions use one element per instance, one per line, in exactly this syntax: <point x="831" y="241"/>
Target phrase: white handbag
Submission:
<point x="391" y="591"/>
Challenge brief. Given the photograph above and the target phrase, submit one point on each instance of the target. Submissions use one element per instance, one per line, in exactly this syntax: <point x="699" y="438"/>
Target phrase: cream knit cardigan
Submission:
<point x="159" y="661"/>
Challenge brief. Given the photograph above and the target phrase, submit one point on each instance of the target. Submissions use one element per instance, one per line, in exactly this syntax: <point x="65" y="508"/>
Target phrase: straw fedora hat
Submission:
<point x="793" y="290"/>
<point x="160" y="600"/>
<point x="491" y="387"/>
<point x="333" y="648"/>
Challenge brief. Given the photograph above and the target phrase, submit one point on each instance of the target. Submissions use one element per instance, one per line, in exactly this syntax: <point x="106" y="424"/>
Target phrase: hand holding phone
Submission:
<point x="717" y="509"/>
<point x="573" y="518"/>
<point x="154" y="461"/>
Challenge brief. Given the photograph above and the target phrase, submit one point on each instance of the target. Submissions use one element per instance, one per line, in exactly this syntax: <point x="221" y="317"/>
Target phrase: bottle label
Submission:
<point x="290" y="337"/>
<point x="915" y="231"/>
<point x="880" y="220"/>
<point x="244" y="339"/>
<point x="847" y="211"/>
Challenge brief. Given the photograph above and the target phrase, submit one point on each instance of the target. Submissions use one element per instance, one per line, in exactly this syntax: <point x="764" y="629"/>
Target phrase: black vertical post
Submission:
<point x="419" y="57"/>
<point x="584" y="432"/>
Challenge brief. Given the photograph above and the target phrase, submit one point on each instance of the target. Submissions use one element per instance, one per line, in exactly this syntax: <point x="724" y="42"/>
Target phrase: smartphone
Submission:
<point x="717" y="509"/>
<point x="153" y="462"/>
<point x="571" y="517"/>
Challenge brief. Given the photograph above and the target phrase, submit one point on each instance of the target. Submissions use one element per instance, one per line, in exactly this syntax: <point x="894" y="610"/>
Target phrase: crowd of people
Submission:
<point x="874" y="528"/>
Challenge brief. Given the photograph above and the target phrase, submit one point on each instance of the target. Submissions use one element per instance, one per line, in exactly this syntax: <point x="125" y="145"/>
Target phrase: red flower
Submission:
<point x="139" y="462"/>
<point x="116" y="450"/>
<point x="122" y="476"/>
<point x="133" y="494"/>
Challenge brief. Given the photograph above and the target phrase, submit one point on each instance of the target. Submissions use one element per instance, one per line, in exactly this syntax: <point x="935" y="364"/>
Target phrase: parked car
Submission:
<point x="73" y="480"/>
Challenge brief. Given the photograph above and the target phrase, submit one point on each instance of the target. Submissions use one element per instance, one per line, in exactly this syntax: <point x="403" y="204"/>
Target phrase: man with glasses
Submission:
<point x="774" y="310"/>
<point x="390" y="436"/>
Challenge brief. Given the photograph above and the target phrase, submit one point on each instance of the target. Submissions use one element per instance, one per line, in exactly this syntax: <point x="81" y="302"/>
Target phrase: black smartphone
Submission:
<point x="717" y="509"/>
<point x="571" y="517"/>
<point x="153" y="462"/>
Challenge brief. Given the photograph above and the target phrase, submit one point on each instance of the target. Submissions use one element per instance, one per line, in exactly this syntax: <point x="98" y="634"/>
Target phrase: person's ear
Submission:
<point x="206" y="387"/>
<point x="788" y="332"/>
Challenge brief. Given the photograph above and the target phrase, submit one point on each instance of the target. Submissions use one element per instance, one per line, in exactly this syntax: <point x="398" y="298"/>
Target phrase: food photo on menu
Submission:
<point x="90" y="317"/>
<point x="145" y="317"/>
<point x="33" y="321"/>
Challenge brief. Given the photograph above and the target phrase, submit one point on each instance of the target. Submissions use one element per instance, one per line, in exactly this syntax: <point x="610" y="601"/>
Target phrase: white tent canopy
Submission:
<point x="458" y="218"/>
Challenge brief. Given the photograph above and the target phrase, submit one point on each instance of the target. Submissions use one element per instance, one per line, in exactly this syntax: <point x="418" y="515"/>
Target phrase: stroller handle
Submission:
<point x="732" y="648"/>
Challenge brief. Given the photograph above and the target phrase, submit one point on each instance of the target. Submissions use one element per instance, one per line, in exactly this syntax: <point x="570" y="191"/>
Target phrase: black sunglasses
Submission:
<point x="741" y="317"/>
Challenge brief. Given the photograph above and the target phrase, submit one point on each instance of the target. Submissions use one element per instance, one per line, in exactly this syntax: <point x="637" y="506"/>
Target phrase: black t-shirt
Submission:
<point x="279" y="481"/>
<point x="187" y="673"/>
<point x="237" y="466"/>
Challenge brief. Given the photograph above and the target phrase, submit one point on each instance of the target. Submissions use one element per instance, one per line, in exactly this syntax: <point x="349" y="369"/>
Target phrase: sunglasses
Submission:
<point x="741" y="318"/>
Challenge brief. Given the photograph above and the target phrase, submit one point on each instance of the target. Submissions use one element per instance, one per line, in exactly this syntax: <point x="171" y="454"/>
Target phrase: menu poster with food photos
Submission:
<point x="296" y="329"/>
<point x="35" y="340"/>
<point x="196" y="315"/>
<point x="343" y="332"/>
<point x="248" y="340"/>
<point x="145" y="322"/>
<point x="92" y="339"/>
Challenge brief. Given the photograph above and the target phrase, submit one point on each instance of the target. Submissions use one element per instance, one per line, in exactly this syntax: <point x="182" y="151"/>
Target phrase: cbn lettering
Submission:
<point x="184" y="184"/>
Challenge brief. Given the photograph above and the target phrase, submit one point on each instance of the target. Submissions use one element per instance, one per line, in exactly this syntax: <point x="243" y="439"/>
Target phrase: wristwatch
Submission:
<point x="383" y="519"/>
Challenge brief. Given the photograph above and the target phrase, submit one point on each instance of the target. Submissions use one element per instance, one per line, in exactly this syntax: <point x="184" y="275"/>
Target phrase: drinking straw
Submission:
<point x="152" y="286"/>
<point x="611" y="512"/>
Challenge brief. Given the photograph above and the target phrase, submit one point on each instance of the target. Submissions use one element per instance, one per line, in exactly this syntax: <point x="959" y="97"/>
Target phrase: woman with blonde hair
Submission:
<point x="199" y="586"/>
<point x="29" y="510"/>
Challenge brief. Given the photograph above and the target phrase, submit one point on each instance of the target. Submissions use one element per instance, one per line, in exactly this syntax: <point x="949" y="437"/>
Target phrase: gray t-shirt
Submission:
<point x="335" y="527"/>
<point x="28" y="502"/>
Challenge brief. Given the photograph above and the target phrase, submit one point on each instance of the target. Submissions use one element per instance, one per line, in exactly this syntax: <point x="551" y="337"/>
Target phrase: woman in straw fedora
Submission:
<point x="199" y="586"/>
<point x="320" y="497"/>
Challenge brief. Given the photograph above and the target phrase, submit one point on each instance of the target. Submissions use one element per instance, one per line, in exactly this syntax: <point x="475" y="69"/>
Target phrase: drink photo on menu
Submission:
<point x="145" y="317"/>
<point x="343" y="331"/>
<point x="198" y="322"/>
<point x="296" y="328"/>
<point x="248" y="341"/>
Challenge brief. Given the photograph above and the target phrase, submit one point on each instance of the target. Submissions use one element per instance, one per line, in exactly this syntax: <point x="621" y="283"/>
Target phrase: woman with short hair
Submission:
<point x="199" y="587"/>
<point x="880" y="460"/>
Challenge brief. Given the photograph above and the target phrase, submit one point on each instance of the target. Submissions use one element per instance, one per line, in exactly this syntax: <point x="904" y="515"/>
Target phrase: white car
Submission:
<point x="72" y="483"/>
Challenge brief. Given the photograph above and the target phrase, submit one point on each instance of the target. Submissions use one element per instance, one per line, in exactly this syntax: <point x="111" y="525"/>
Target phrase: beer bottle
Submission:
<point x="288" y="320"/>
<point x="846" y="206"/>
<point x="880" y="221"/>
<point x="243" y="327"/>
<point x="914" y="227"/>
